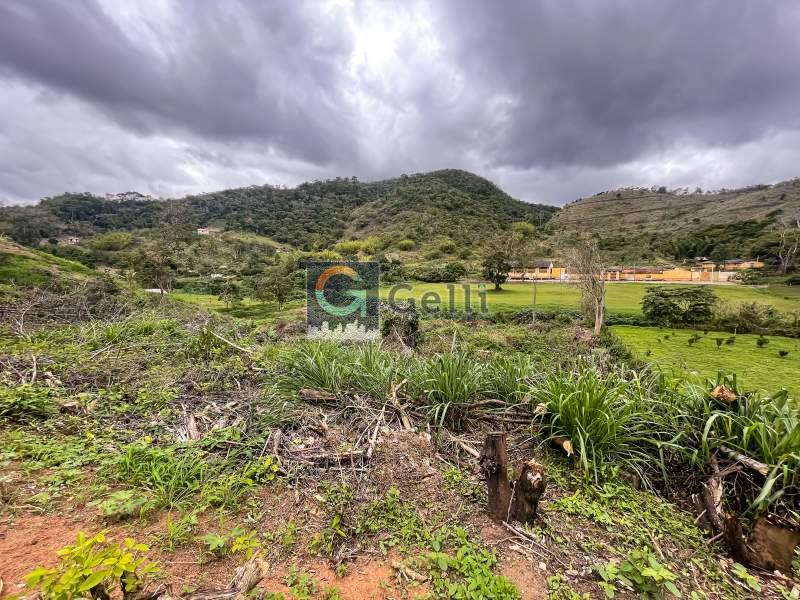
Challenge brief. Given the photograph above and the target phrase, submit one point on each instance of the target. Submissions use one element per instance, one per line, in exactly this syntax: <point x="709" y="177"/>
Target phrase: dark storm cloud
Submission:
<point x="552" y="99"/>
<point x="229" y="70"/>
<point x="599" y="83"/>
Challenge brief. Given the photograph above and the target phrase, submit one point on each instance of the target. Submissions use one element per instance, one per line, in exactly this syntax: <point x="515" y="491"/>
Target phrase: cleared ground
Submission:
<point x="756" y="367"/>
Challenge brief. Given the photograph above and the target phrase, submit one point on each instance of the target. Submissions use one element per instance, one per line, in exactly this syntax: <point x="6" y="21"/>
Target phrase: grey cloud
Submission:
<point x="552" y="99"/>
<point x="600" y="83"/>
<point x="231" y="70"/>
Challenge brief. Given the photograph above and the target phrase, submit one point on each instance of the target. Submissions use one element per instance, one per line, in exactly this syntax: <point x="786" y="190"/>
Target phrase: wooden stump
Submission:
<point x="507" y="503"/>
<point x="494" y="462"/>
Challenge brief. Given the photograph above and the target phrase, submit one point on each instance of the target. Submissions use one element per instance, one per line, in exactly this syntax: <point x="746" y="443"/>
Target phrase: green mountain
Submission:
<point x="652" y="224"/>
<point x="451" y="203"/>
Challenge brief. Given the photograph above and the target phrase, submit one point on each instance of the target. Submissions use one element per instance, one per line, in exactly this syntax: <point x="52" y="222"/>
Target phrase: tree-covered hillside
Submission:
<point x="314" y="214"/>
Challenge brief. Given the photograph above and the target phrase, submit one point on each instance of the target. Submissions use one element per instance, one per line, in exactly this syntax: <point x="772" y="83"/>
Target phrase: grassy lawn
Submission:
<point x="759" y="368"/>
<point x="620" y="297"/>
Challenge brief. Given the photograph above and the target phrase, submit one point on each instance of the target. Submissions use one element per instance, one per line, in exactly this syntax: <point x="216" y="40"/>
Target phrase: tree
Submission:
<point x="584" y="259"/>
<point x="678" y="306"/>
<point x="153" y="266"/>
<point x="788" y="244"/>
<point x="275" y="285"/>
<point x="231" y="293"/>
<point x="496" y="267"/>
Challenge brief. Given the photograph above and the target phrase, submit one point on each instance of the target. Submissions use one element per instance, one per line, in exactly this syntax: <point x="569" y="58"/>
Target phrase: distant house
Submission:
<point x="69" y="241"/>
<point x="740" y="264"/>
<point x="207" y="230"/>
<point x="540" y="269"/>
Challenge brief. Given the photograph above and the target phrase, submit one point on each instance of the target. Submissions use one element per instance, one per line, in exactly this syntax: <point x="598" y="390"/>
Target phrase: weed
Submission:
<point x="468" y="572"/>
<point x="122" y="504"/>
<point x="27" y="402"/>
<point x="559" y="589"/>
<point x="92" y="566"/>
<point x="301" y="585"/>
<point x="216" y="544"/>
<point x="177" y="533"/>
<point x="641" y="572"/>
<point x="741" y="572"/>
<point x="170" y="475"/>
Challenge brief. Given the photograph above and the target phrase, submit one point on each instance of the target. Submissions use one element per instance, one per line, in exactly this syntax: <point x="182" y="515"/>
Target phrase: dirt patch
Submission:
<point x="28" y="541"/>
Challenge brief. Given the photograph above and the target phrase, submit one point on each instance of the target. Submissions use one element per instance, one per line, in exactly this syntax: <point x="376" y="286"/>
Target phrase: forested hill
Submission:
<point x="651" y="224"/>
<point x="456" y="203"/>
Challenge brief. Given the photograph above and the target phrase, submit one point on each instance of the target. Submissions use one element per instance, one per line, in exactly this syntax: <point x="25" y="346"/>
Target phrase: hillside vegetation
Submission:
<point x="635" y="223"/>
<point x="313" y="214"/>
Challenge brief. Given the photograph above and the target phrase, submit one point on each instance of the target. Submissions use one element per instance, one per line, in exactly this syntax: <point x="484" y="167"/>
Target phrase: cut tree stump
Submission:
<point x="510" y="502"/>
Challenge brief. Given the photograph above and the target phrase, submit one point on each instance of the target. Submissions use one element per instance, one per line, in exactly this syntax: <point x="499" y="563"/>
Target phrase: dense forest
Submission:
<point x="311" y="215"/>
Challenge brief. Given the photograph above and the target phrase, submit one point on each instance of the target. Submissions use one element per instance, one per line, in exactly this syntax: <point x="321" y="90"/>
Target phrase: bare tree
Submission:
<point x="789" y="244"/>
<point x="584" y="260"/>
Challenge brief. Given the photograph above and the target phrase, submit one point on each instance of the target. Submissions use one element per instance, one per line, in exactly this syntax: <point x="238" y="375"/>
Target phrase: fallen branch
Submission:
<point x="230" y="343"/>
<point x="374" y="439"/>
<point x="748" y="462"/>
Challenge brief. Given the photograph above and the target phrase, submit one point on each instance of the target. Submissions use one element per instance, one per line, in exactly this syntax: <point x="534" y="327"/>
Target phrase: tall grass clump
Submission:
<point x="448" y="384"/>
<point x="766" y="428"/>
<point x="507" y="377"/>
<point x="610" y="419"/>
<point x="373" y="371"/>
<point x="319" y="365"/>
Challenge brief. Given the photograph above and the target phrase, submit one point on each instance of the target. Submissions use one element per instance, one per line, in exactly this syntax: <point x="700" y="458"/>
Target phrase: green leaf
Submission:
<point x="94" y="579"/>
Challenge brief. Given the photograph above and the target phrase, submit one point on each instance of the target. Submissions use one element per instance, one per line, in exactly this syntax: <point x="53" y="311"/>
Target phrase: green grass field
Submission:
<point x="620" y="297"/>
<point x="756" y="368"/>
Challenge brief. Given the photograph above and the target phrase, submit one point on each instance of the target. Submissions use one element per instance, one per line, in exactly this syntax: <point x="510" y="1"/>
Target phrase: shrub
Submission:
<point x="678" y="305"/>
<point x="406" y="245"/>
<point x="438" y="273"/>
<point x="748" y="317"/>
<point x="92" y="567"/>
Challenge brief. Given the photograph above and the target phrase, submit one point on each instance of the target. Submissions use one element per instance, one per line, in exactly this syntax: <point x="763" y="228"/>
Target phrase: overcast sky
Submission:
<point x="552" y="100"/>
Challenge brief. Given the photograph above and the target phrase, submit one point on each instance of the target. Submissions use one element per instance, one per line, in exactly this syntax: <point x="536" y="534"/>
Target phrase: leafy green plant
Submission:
<point x="449" y="383"/>
<point x="559" y="589"/>
<point x="216" y="544"/>
<point x="93" y="566"/>
<point x="301" y="585"/>
<point x="123" y="504"/>
<point x="178" y="532"/>
<point x="741" y="572"/>
<point x="642" y="573"/>
<point x="467" y="573"/>
<point x="235" y="541"/>
<point x="26" y="402"/>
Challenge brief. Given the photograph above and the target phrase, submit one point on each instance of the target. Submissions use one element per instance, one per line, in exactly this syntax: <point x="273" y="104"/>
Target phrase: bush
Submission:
<point x="438" y="273"/>
<point x="406" y="245"/>
<point x="678" y="305"/>
<point x="749" y="317"/>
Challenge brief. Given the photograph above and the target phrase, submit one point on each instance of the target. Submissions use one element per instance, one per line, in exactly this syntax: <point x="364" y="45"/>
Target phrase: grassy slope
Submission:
<point x="28" y="267"/>
<point x="755" y="367"/>
<point x="640" y="211"/>
<point x="621" y="298"/>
